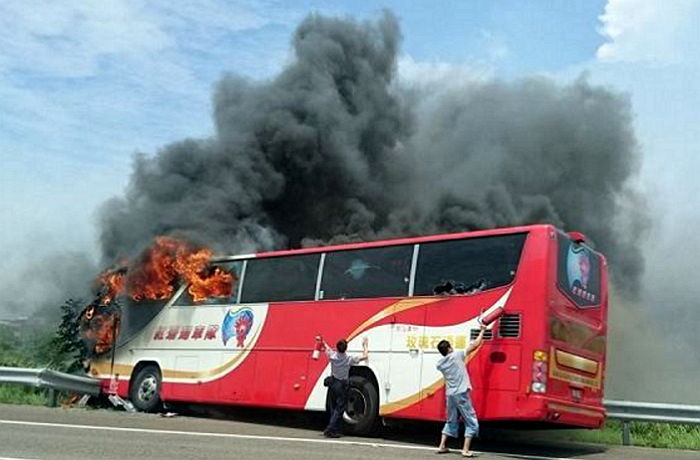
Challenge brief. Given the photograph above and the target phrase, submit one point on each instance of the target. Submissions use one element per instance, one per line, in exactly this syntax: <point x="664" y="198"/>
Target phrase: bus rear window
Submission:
<point x="578" y="272"/>
<point x="463" y="265"/>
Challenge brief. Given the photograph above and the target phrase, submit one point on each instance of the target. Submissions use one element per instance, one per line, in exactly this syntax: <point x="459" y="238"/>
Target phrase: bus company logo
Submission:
<point x="237" y="324"/>
<point x="578" y="269"/>
<point x="430" y="341"/>
<point x="199" y="332"/>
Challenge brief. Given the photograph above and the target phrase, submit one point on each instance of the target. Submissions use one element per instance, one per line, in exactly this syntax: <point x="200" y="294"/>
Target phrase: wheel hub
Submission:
<point x="357" y="407"/>
<point x="148" y="388"/>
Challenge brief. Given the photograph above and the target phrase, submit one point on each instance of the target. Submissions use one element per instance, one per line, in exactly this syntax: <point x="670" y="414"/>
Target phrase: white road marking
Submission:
<point x="14" y="458"/>
<point x="256" y="437"/>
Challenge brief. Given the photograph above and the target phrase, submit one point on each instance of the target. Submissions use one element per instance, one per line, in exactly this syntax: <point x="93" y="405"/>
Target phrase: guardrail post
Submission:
<point x="52" y="398"/>
<point x="625" y="432"/>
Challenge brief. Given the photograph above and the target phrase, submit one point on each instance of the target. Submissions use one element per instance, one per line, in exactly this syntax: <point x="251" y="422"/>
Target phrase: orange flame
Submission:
<point x="169" y="260"/>
<point x="105" y="333"/>
<point x="112" y="282"/>
<point x="217" y="284"/>
<point x="100" y="327"/>
<point x="153" y="277"/>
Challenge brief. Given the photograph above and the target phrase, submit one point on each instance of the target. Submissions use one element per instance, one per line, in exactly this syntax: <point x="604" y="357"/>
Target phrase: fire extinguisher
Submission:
<point x="491" y="317"/>
<point x="318" y="348"/>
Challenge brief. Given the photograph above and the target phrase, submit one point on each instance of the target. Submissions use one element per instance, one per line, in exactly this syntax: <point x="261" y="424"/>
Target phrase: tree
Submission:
<point x="68" y="351"/>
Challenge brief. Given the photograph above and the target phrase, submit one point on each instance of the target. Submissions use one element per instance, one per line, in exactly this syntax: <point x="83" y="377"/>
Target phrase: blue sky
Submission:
<point x="85" y="84"/>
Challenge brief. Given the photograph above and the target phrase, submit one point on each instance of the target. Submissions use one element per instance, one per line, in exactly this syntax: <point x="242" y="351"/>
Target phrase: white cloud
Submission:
<point x="496" y="46"/>
<point x="88" y="78"/>
<point x="67" y="39"/>
<point x="648" y="30"/>
<point x="430" y="74"/>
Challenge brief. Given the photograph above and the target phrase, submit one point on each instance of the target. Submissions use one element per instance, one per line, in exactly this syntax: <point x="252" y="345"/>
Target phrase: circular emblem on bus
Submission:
<point x="237" y="324"/>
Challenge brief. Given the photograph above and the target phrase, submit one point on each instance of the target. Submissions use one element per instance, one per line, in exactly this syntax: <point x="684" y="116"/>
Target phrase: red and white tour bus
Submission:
<point x="542" y="361"/>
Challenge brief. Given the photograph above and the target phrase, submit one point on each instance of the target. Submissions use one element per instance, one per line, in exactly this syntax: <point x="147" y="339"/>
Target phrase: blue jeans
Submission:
<point x="339" y="401"/>
<point x="460" y="404"/>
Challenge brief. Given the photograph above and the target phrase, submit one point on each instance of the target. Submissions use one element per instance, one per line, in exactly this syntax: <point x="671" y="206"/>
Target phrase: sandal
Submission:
<point x="468" y="454"/>
<point x="443" y="451"/>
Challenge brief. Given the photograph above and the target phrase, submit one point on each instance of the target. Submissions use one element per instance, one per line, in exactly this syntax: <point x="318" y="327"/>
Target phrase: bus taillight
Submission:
<point x="539" y="371"/>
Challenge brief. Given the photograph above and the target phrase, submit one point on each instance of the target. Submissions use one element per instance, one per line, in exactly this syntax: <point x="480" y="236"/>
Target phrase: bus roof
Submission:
<point x="391" y="242"/>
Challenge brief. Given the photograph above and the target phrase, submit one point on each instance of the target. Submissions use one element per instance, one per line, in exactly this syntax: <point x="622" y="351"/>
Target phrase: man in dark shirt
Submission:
<point x="338" y="389"/>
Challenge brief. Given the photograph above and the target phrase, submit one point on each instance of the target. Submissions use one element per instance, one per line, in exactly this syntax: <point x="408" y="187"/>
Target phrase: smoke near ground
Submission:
<point x="653" y="341"/>
<point x="38" y="287"/>
<point x="336" y="148"/>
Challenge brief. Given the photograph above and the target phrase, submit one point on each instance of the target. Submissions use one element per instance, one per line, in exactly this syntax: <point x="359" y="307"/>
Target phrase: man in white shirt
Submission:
<point x="338" y="389"/>
<point x="457" y="389"/>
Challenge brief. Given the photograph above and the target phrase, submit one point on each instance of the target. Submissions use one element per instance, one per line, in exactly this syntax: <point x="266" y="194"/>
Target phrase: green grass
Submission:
<point x="643" y="434"/>
<point x="17" y="394"/>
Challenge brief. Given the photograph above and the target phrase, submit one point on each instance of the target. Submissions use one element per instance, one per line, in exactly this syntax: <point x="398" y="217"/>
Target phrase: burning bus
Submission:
<point x="241" y="330"/>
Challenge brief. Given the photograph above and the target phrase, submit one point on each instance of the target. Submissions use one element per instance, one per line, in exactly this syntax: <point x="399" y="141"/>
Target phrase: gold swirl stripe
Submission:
<point x="398" y="307"/>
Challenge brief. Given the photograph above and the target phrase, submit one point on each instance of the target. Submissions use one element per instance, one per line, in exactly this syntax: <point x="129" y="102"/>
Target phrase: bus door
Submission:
<point x="402" y="382"/>
<point x="280" y="376"/>
<point x="282" y="359"/>
<point x="432" y="383"/>
<point x="496" y="368"/>
<point x="493" y="369"/>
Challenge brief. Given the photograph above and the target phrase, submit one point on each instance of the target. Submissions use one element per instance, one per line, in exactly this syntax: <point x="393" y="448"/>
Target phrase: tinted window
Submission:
<point x="461" y="266"/>
<point x="231" y="268"/>
<point x="135" y="316"/>
<point x="578" y="272"/>
<point x="281" y="278"/>
<point x="377" y="272"/>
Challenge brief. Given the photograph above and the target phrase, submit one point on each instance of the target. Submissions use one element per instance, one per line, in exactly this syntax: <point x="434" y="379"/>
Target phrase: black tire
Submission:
<point x="362" y="414"/>
<point x="144" y="391"/>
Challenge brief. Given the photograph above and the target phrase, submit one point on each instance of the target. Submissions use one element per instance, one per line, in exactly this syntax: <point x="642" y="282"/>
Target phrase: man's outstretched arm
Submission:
<point x="327" y="348"/>
<point x="474" y="344"/>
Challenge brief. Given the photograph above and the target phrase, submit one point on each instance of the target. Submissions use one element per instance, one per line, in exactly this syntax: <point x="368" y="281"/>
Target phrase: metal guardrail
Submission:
<point x="50" y="380"/>
<point x="68" y="382"/>
<point x="632" y="411"/>
<point x="20" y="375"/>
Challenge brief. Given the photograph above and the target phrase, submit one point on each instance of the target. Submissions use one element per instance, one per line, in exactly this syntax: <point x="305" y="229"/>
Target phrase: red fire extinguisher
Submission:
<point x="318" y="348"/>
<point x="491" y="317"/>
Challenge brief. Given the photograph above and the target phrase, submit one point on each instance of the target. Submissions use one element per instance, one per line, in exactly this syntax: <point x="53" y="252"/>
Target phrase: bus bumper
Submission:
<point x="572" y="414"/>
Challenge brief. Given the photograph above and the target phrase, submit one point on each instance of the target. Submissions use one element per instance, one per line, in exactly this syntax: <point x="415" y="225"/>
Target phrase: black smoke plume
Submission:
<point x="337" y="147"/>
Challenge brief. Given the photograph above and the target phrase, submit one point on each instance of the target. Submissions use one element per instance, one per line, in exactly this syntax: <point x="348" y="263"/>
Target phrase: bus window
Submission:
<point x="234" y="268"/>
<point x="135" y="316"/>
<point x="277" y="279"/>
<point x="467" y="265"/>
<point x="578" y="272"/>
<point x="362" y="273"/>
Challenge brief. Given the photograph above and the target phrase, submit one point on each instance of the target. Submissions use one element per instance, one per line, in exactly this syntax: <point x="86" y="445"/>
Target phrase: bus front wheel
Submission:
<point x="361" y="415"/>
<point x="144" y="391"/>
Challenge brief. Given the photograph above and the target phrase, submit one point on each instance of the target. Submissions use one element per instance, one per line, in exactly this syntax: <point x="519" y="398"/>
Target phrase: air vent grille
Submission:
<point x="509" y="325"/>
<point x="488" y="334"/>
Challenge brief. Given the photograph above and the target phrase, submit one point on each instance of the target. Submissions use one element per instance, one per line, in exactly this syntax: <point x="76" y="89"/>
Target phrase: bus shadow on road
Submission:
<point x="510" y="441"/>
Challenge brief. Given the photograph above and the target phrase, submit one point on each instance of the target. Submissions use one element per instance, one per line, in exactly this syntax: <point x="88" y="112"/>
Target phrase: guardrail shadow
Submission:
<point x="494" y="438"/>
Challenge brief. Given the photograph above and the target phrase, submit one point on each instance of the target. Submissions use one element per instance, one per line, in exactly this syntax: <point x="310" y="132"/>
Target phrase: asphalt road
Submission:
<point x="57" y="434"/>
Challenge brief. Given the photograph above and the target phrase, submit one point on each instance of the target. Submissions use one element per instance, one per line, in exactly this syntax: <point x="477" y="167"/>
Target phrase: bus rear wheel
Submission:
<point x="362" y="413"/>
<point x="144" y="391"/>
